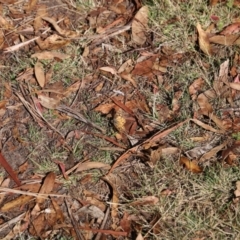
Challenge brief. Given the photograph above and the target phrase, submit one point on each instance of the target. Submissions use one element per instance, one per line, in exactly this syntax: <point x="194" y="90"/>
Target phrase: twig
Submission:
<point x="74" y="223"/>
<point x="98" y="236"/>
<point x="40" y="195"/>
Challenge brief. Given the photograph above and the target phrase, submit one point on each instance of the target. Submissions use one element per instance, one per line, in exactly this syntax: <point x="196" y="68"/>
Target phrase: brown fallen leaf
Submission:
<point x="144" y="68"/>
<point x="237" y="191"/>
<point x="129" y="77"/>
<point x="231" y="29"/>
<point x="58" y="210"/>
<point x="139" y="26"/>
<point x="17" y="202"/>
<point x="203" y="40"/>
<point x="39" y="73"/>
<point x="115" y="199"/>
<point x="125" y="223"/>
<point x="31" y="5"/>
<point x="195" y="87"/>
<point x="206" y="107"/>
<point x="206" y="126"/>
<point x="38" y="23"/>
<point x="149" y="200"/>
<point x="19" y="228"/>
<point x="213" y="2"/>
<point x="62" y="32"/>
<point x="90" y="165"/>
<point x="94" y="199"/>
<point x="53" y="42"/>
<point x="47" y="186"/>
<point x="49" y="74"/>
<point x="227" y="40"/>
<point x="112" y="70"/>
<point x="213" y="152"/>
<point x="191" y="165"/>
<point x="49" y="55"/>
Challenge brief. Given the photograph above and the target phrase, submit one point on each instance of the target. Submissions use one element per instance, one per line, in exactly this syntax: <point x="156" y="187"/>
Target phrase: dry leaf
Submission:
<point x="144" y="68"/>
<point x="203" y="40"/>
<point x="206" y="107"/>
<point x="49" y="55"/>
<point x="47" y="102"/>
<point x="128" y="77"/>
<point x="155" y="155"/>
<point x="227" y="40"/>
<point x="195" y="87"/>
<point x="17" y="202"/>
<point x="90" y="165"/>
<point x="49" y="74"/>
<point x="31" y="5"/>
<point x="125" y="223"/>
<point x="110" y="179"/>
<point x="62" y="32"/>
<point x="191" y="165"/>
<point x="99" y="87"/>
<point x="39" y="73"/>
<point x="231" y="29"/>
<point x="19" y="228"/>
<point x="112" y="70"/>
<point x="139" y="26"/>
<point x="105" y="108"/>
<point x="212" y="152"/>
<point x="47" y="186"/>
<point x="52" y="42"/>
<point x="139" y="236"/>
<point x="237" y="191"/>
<point x="126" y="66"/>
<point x="206" y="126"/>
<point x="213" y="2"/>
<point x="38" y="23"/>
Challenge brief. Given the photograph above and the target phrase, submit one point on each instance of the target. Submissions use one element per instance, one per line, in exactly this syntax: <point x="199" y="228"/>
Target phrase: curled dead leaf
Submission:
<point x="191" y="165"/>
<point x="195" y="87"/>
<point x="52" y="42"/>
<point x="62" y="32"/>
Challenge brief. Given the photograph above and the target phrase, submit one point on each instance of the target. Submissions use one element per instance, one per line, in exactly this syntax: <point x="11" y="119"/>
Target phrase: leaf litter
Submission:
<point x="64" y="106"/>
